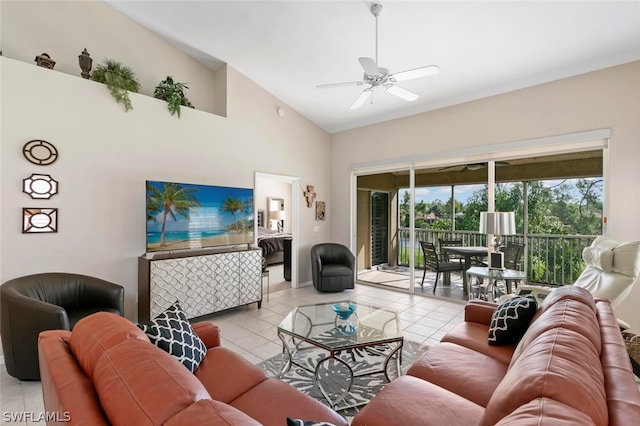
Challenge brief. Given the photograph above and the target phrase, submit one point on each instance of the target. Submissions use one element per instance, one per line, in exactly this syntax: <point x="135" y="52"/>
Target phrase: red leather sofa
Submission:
<point x="571" y="367"/>
<point x="107" y="372"/>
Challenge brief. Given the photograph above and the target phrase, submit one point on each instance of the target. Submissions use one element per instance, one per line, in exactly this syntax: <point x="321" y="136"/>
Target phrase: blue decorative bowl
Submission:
<point x="343" y="314"/>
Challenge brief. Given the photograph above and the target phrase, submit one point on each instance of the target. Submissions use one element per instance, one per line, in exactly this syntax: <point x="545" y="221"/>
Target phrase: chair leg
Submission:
<point x="435" y="284"/>
<point x="423" y="275"/>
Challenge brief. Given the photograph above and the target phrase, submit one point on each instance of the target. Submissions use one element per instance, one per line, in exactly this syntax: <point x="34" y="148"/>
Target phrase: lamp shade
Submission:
<point x="277" y="215"/>
<point x="497" y="223"/>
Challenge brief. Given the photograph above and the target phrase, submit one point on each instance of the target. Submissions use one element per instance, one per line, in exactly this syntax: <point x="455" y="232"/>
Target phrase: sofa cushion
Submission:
<point x="474" y="336"/>
<point x="567" y="292"/>
<point x="227" y="375"/>
<point x="95" y="334"/>
<point x="139" y="384"/>
<point x="171" y="332"/>
<point x="412" y="401"/>
<point x="511" y="319"/>
<point x="567" y="312"/>
<point x="456" y="368"/>
<point x="329" y="270"/>
<point x="210" y="413"/>
<point x="545" y="411"/>
<point x="273" y="400"/>
<point x="65" y="387"/>
<point x="559" y="364"/>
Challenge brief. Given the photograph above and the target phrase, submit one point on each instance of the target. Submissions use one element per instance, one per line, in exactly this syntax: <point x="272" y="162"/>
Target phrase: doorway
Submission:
<point x="542" y="161"/>
<point x="379" y="228"/>
<point x="278" y="222"/>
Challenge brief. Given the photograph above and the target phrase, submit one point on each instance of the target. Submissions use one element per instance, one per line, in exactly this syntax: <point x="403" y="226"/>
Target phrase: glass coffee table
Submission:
<point x="343" y="327"/>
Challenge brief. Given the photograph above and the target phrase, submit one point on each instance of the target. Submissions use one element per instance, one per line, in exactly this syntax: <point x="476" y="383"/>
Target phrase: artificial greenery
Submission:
<point x="173" y="93"/>
<point x="120" y="80"/>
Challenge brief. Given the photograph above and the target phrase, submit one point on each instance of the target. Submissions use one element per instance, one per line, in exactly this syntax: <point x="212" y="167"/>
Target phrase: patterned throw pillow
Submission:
<point x="296" y="422"/>
<point x="172" y="332"/>
<point x="511" y="319"/>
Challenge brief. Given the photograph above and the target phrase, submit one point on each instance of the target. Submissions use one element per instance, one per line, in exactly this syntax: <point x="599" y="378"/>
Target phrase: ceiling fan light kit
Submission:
<point x="376" y="76"/>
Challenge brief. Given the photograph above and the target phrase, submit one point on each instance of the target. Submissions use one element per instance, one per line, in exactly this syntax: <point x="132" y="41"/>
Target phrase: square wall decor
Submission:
<point x="39" y="220"/>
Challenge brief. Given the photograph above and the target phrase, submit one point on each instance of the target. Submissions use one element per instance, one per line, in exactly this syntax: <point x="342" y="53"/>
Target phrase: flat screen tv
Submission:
<point x="189" y="216"/>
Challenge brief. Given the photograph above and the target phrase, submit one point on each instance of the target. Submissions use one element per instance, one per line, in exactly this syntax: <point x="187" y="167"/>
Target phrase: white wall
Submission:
<point x="608" y="98"/>
<point x="64" y="28"/>
<point x="106" y="154"/>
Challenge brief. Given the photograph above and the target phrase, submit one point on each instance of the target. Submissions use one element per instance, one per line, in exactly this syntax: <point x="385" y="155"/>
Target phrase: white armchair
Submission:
<point x="612" y="268"/>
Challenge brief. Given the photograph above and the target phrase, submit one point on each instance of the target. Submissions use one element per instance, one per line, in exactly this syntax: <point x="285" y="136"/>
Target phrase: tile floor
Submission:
<point x="252" y="332"/>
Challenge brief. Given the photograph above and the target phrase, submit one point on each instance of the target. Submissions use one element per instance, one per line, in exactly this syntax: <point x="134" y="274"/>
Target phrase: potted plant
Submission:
<point x="120" y="80"/>
<point x="173" y="93"/>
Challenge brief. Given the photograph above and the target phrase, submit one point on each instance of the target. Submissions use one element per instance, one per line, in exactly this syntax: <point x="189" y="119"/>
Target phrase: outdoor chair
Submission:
<point x="435" y="262"/>
<point x="48" y="301"/>
<point x="443" y="242"/>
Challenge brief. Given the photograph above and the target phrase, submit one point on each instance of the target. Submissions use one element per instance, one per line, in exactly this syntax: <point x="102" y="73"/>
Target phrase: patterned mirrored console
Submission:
<point x="203" y="284"/>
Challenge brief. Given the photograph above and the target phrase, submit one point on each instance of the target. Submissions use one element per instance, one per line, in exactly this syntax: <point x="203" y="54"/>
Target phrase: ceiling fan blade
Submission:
<point x="451" y="168"/>
<point x="361" y="99"/>
<point x="348" y="83"/>
<point x="401" y="93"/>
<point x="369" y="65"/>
<point x="415" y="73"/>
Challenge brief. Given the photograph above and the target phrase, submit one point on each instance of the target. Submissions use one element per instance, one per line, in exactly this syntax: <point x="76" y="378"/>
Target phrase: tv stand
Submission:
<point x="202" y="283"/>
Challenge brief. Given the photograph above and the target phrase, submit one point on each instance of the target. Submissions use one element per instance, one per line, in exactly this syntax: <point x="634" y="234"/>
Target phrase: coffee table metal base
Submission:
<point x="392" y="352"/>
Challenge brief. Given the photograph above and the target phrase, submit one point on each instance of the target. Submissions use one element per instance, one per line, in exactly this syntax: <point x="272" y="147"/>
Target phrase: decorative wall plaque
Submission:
<point x="40" y="186"/>
<point x="309" y="195"/>
<point x="39" y="220"/>
<point x="320" y="210"/>
<point x="40" y="152"/>
<point x="45" y="61"/>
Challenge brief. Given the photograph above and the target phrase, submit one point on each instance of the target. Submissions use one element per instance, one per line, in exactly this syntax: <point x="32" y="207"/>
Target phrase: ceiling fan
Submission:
<point x="376" y="76"/>
<point x="473" y="166"/>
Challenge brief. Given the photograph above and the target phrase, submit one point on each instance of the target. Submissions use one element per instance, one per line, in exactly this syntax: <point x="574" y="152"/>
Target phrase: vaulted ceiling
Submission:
<point x="483" y="48"/>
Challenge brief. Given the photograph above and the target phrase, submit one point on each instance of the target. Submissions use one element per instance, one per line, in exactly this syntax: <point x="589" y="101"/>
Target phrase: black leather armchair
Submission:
<point x="48" y="301"/>
<point x="333" y="267"/>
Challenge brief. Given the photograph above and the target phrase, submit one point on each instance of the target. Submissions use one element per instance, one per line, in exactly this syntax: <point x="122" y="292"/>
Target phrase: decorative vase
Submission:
<point x="342" y="322"/>
<point x="85" y="63"/>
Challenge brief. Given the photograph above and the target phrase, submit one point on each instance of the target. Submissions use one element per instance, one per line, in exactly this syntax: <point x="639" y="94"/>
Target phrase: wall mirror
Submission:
<point x="275" y="213"/>
<point x="40" y="186"/>
<point x="38" y="220"/>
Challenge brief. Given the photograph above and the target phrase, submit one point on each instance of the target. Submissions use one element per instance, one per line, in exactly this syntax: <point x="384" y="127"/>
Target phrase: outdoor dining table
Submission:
<point x="468" y="253"/>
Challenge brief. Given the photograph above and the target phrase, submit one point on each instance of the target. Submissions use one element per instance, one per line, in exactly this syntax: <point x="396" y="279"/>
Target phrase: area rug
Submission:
<point x="334" y="375"/>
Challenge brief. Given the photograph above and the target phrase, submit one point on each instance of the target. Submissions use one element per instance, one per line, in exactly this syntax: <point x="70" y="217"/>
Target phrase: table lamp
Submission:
<point x="277" y="217"/>
<point x="497" y="224"/>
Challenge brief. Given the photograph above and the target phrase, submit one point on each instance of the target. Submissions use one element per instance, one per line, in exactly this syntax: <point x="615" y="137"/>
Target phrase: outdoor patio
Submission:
<point x="399" y="278"/>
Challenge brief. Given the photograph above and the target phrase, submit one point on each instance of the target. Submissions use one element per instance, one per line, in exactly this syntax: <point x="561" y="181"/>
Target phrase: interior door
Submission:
<point x="379" y="228"/>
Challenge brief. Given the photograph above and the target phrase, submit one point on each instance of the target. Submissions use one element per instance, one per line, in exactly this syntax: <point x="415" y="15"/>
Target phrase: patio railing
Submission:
<point x="550" y="259"/>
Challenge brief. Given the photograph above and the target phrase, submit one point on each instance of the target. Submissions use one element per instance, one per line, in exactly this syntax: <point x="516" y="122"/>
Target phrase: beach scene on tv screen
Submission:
<point x="190" y="216"/>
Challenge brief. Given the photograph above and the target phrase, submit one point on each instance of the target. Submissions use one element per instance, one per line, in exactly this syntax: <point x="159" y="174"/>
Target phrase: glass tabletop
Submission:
<point x="329" y="325"/>
<point x="497" y="274"/>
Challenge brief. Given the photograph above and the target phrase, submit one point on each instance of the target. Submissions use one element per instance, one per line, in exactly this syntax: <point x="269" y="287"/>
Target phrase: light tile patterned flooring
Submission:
<point x="252" y="332"/>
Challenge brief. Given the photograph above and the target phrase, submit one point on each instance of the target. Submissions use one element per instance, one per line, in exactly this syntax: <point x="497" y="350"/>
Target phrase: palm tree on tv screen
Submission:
<point x="233" y="206"/>
<point x="172" y="199"/>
